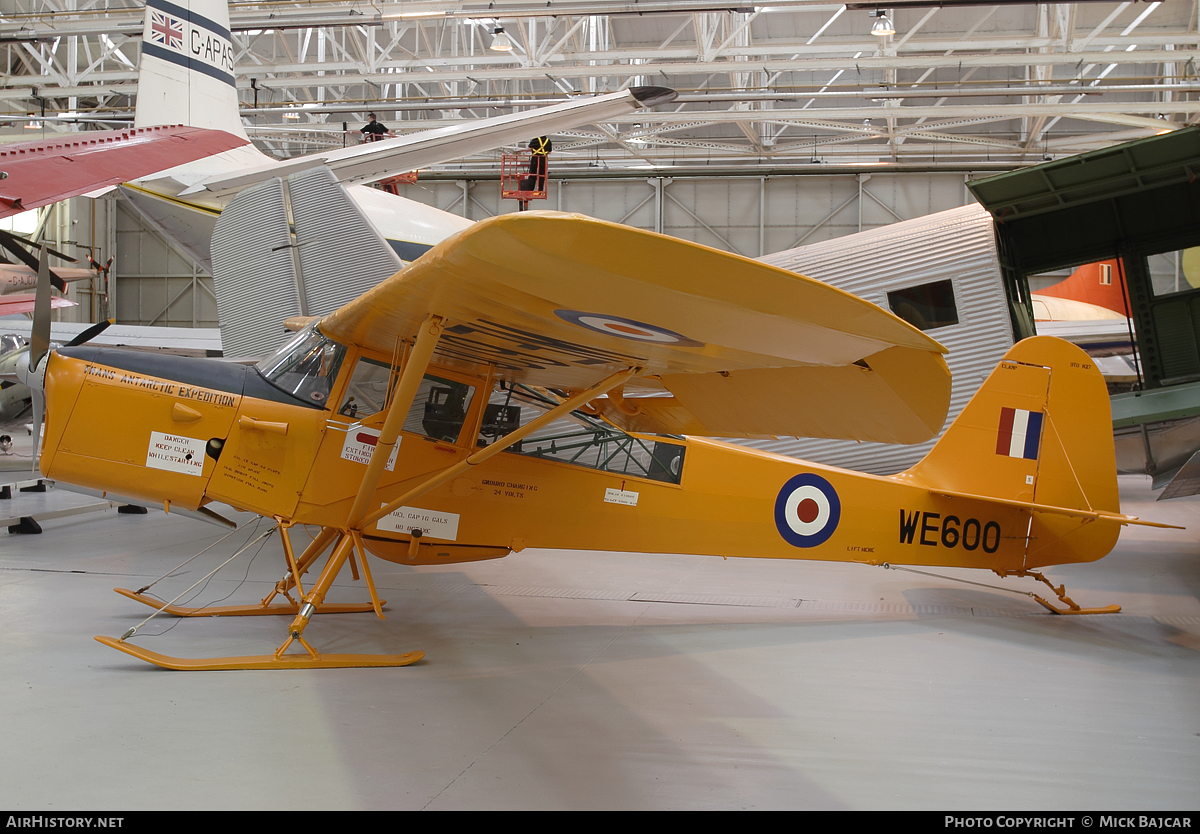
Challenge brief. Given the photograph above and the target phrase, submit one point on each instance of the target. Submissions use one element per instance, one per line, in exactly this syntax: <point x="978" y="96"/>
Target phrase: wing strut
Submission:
<point x="414" y="371"/>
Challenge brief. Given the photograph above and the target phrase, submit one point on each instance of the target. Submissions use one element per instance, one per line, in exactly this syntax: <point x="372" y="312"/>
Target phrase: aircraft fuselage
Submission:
<point x="186" y="432"/>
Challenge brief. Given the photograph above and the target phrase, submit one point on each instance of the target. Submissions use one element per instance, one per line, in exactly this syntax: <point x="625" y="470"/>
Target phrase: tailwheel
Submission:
<point x="1070" y="606"/>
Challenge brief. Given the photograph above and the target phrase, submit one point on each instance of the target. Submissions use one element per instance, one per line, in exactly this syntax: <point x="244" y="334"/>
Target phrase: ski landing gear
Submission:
<point x="347" y="543"/>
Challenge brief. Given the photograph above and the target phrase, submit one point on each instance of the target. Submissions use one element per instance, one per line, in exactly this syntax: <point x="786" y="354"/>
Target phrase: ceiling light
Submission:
<point x="291" y="113"/>
<point x="500" y="41"/>
<point x="882" y="27"/>
<point x="33" y="123"/>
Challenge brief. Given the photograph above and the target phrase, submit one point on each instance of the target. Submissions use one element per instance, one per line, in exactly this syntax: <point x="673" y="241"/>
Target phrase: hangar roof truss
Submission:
<point x="796" y="84"/>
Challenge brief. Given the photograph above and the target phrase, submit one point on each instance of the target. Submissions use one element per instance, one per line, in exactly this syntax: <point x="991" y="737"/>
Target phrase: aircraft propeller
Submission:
<point x="39" y="345"/>
<point x="31" y="369"/>
<point x="15" y="245"/>
<point x="91" y="333"/>
<point x="39" y="339"/>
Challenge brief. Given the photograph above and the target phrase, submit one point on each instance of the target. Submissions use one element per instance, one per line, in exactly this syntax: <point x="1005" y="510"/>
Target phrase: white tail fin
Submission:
<point x="186" y="71"/>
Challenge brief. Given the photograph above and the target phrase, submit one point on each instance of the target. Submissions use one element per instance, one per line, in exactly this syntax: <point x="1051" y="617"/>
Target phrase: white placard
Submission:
<point x="360" y="444"/>
<point x="620" y="496"/>
<point x="175" y="453"/>
<point x="429" y="522"/>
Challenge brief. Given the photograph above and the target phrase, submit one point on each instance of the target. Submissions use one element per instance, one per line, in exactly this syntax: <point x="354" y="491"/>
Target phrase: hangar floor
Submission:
<point x="589" y="680"/>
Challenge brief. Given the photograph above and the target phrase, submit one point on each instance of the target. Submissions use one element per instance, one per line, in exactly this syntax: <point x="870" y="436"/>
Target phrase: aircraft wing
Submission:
<point x="185" y="341"/>
<point x="43" y="172"/>
<point x="23" y="303"/>
<point x="375" y="160"/>
<point x="728" y="346"/>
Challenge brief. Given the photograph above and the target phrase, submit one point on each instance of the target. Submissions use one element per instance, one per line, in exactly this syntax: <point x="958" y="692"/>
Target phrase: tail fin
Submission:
<point x="186" y="71"/>
<point x="1039" y="432"/>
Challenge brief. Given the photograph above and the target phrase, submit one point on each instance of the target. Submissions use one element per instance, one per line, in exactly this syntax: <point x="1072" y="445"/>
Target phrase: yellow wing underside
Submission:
<point x="728" y="346"/>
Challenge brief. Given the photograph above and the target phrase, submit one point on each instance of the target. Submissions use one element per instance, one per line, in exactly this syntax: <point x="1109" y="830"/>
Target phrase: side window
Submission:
<point x="440" y="408"/>
<point x="1174" y="272"/>
<point x="578" y="439"/>
<point x="926" y="306"/>
<point x="368" y="389"/>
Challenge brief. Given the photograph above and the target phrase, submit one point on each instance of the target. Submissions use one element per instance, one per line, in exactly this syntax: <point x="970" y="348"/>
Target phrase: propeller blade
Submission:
<point x="91" y="333"/>
<point x="60" y="255"/>
<point x="39" y="341"/>
<point x="12" y="244"/>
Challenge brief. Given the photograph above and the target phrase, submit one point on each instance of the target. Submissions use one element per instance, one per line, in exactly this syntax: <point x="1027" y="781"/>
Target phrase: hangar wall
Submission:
<point x="750" y="216"/>
<point x="154" y="283"/>
<point x="77" y="228"/>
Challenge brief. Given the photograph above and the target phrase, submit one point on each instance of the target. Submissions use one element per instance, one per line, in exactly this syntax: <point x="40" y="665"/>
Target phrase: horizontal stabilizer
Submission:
<point x="1073" y="512"/>
<point x="373" y="161"/>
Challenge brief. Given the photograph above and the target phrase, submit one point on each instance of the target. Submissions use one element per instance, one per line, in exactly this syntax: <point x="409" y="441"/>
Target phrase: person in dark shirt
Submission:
<point x="541" y="147"/>
<point x="536" y="181"/>
<point x="374" y="131"/>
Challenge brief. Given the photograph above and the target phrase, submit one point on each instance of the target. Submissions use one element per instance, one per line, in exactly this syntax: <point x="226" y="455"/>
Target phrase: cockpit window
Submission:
<point x="305" y="367"/>
<point x="368" y="391"/>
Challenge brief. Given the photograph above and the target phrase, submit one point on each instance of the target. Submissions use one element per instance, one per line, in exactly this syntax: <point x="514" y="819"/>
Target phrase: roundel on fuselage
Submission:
<point x="807" y="510"/>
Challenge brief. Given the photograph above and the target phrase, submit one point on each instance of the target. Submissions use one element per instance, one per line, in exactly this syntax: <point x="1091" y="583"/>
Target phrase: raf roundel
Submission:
<point x="623" y="328"/>
<point x="807" y="510"/>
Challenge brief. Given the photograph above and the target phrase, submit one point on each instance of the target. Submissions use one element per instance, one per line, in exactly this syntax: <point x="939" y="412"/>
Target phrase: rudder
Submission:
<point x="1038" y="431"/>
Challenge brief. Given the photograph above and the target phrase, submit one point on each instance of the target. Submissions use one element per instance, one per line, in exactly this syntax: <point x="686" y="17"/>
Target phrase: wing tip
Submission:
<point x="651" y="96"/>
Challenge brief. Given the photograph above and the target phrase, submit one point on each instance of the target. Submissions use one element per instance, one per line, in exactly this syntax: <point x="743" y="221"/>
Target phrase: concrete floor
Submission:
<point x="589" y="680"/>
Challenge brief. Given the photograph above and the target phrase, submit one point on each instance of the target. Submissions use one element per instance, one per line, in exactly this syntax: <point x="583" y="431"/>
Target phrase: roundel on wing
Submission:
<point x="807" y="510"/>
<point x="623" y="328"/>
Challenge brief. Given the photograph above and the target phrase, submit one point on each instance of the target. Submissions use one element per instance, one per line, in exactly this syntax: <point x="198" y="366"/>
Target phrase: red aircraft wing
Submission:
<point x="23" y="303"/>
<point x="46" y="171"/>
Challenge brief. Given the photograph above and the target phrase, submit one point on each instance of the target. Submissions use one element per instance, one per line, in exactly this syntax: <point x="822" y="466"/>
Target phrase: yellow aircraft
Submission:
<point x="526" y="384"/>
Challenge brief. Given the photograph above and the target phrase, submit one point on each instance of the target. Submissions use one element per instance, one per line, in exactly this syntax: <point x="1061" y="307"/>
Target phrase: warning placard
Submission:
<point x="429" y="522"/>
<point x="175" y="453"/>
<point x="620" y="496"/>
<point x="360" y="444"/>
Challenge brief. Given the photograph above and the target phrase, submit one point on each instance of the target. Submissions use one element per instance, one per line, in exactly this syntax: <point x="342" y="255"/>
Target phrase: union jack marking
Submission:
<point x="166" y="30"/>
<point x="1020" y="433"/>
